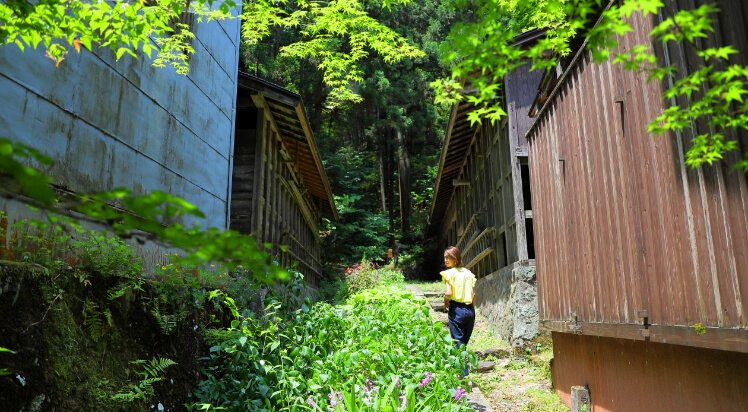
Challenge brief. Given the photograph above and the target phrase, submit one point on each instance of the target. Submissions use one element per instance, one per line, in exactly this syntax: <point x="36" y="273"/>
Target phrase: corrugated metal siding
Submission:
<point x="621" y="224"/>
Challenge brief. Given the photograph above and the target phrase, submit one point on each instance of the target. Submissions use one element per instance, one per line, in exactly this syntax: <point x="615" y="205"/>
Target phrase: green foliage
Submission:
<point x="361" y="229"/>
<point x="104" y="254"/>
<point x="97" y="322"/>
<point x="150" y="374"/>
<point x="543" y="401"/>
<point x="156" y="216"/>
<point x="699" y="328"/>
<point x="337" y="34"/>
<point x="298" y="358"/>
<point x="5" y="371"/>
<point x="713" y="90"/>
<point x="166" y="322"/>
<point x="31" y="182"/>
<point x="35" y="241"/>
<point x="391" y="277"/>
<point x="125" y="28"/>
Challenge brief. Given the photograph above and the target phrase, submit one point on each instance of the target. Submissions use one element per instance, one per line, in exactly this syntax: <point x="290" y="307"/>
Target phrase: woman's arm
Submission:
<point x="447" y="293"/>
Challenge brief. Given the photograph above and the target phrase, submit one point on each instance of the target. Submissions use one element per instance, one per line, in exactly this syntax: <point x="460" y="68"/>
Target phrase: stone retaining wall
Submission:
<point x="508" y="299"/>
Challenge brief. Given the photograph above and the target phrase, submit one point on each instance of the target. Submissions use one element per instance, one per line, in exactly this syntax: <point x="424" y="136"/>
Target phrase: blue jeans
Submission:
<point x="461" y="322"/>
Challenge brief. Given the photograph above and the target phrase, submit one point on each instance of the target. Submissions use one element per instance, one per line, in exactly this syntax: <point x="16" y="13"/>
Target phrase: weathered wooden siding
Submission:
<point x="243" y="174"/>
<point x="630" y="241"/>
<point x="109" y="123"/>
<point x="276" y="179"/>
<point x="480" y="207"/>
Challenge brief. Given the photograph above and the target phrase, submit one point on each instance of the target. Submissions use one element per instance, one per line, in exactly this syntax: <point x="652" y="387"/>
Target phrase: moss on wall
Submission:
<point x="62" y="363"/>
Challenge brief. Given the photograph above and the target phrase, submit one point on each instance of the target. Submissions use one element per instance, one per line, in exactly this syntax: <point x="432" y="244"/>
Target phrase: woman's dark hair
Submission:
<point x="455" y="254"/>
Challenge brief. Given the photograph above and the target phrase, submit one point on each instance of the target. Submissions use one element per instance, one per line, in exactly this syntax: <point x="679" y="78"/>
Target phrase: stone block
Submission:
<point x="484" y="366"/>
<point x="580" y="399"/>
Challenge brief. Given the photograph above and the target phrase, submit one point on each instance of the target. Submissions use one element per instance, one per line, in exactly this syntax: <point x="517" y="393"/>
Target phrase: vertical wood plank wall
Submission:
<point x="276" y="211"/>
<point x="626" y="233"/>
<point x="488" y="219"/>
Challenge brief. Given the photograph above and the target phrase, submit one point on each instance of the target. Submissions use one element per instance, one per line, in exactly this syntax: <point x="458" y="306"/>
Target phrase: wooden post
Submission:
<point x="259" y="174"/>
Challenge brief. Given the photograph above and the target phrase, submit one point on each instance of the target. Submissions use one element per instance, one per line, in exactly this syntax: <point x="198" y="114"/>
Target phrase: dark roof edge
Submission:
<point x="561" y="81"/>
<point x="528" y="37"/>
<point x="246" y="80"/>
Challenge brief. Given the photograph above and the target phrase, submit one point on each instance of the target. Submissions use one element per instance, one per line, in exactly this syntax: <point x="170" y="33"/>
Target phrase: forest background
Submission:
<point x="381" y="149"/>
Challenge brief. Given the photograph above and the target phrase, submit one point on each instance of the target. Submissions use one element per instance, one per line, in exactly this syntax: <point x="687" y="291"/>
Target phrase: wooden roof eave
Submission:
<point x="540" y="112"/>
<point x="317" y="159"/>
<point x="284" y="102"/>
<point x="442" y="158"/>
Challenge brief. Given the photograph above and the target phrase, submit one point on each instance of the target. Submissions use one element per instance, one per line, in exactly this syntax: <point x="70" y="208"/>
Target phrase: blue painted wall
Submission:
<point x="109" y="123"/>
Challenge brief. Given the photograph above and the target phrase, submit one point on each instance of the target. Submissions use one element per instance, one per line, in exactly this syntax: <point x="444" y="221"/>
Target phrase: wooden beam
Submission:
<point x="735" y="340"/>
<point x="315" y="155"/>
<point x="459" y="182"/>
<point x="477" y="238"/>
<point x="480" y="257"/>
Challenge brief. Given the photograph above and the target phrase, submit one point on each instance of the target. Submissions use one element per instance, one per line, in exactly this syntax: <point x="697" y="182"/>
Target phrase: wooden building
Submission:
<point x="636" y="251"/>
<point x="279" y="188"/>
<point x="482" y="205"/>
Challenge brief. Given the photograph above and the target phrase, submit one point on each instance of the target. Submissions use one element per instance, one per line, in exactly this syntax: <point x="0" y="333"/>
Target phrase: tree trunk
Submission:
<point x="403" y="170"/>
<point x="391" y="188"/>
<point x="383" y="173"/>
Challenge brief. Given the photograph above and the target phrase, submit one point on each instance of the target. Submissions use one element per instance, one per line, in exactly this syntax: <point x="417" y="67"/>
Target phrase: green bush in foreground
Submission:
<point x="381" y="351"/>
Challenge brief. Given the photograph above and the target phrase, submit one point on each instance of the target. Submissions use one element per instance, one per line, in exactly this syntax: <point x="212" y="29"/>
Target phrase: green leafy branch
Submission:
<point x="339" y="35"/>
<point x="482" y="55"/>
<point x="155" y="216"/>
<point x="125" y="28"/>
<point x="4" y="371"/>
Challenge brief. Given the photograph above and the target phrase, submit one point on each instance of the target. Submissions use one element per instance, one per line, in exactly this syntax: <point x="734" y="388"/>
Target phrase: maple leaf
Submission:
<point x="734" y="94"/>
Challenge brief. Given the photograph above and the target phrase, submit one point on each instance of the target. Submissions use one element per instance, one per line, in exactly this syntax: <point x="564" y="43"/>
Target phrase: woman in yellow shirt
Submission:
<point x="459" y="296"/>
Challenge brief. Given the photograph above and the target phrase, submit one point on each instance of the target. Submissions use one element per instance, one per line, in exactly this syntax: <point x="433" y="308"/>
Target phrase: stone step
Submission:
<point x="496" y="352"/>
<point x="477" y="401"/>
<point x="484" y="366"/>
<point x="433" y="294"/>
<point x="438" y="305"/>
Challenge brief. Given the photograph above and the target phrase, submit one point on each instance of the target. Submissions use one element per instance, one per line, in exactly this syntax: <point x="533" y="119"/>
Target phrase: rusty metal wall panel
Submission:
<point x="626" y="375"/>
<point x="621" y="224"/>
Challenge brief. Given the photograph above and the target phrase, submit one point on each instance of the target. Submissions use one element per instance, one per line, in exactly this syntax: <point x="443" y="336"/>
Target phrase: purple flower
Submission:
<point x="425" y="381"/>
<point x="461" y="394"/>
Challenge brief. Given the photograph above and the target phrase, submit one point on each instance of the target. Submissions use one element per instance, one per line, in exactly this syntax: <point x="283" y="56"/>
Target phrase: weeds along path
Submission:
<point x="379" y="351"/>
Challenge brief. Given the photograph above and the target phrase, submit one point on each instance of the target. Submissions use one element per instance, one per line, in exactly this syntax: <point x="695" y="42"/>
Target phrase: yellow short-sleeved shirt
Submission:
<point x="462" y="282"/>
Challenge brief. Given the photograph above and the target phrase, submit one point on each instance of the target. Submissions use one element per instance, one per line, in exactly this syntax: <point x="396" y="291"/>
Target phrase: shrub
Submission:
<point x="391" y="276"/>
<point x="361" y="276"/>
<point x="380" y="352"/>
